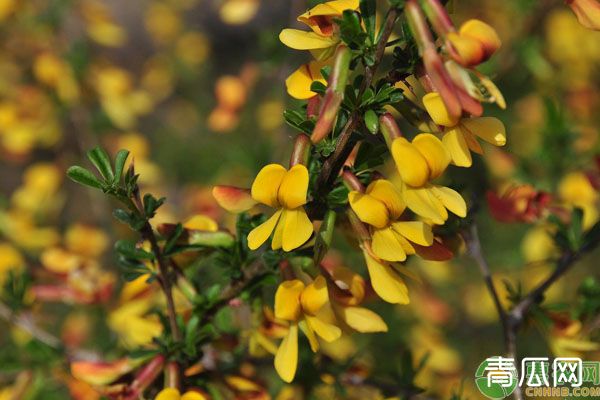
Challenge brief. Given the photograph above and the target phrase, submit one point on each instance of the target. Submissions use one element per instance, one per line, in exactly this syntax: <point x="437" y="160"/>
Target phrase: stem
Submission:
<point x="165" y="281"/>
<point x="335" y="162"/>
<point x="512" y="320"/>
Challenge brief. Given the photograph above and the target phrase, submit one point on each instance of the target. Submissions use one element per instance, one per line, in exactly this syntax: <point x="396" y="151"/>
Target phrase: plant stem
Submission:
<point x="334" y="163"/>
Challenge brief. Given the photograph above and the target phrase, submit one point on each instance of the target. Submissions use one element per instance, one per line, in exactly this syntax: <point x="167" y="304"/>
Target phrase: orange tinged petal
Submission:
<point x="233" y="199"/>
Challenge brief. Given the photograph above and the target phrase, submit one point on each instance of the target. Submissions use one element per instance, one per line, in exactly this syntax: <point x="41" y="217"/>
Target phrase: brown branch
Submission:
<point x="512" y="320"/>
<point x="164" y="279"/>
<point x="26" y="322"/>
<point x="335" y="162"/>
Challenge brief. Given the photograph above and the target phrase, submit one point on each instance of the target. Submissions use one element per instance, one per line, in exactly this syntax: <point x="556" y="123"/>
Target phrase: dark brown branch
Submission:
<point x="335" y="162"/>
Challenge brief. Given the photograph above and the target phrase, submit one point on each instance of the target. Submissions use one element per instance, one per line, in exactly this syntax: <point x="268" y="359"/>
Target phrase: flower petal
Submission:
<point x="192" y="395"/>
<point x="483" y="33"/>
<point x="434" y="151"/>
<point x="314" y="296"/>
<point x="294" y="186"/>
<point x="286" y="359"/>
<point x="287" y="300"/>
<point x="457" y="147"/>
<point x="386" y="282"/>
<point x="386" y="246"/>
<point x="490" y="129"/>
<point x="310" y="335"/>
<point x="411" y="164"/>
<point x="437" y="110"/>
<point x="327" y="331"/>
<point x="368" y="209"/>
<point x="363" y="320"/>
<point x="233" y="199"/>
<point x="415" y="231"/>
<point x="261" y="233"/>
<point x="422" y="203"/>
<point x="297" y="229"/>
<point x="201" y="223"/>
<point x="302" y="40"/>
<point x="299" y="82"/>
<point x="266" y="184"/>
<point x="385" y="191"/>
<point x="168" y="394"/>
<point x="451" y="199"/>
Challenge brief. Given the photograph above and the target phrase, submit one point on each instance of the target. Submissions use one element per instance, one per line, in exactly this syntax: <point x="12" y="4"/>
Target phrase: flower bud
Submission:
<point x="587" y="12"/>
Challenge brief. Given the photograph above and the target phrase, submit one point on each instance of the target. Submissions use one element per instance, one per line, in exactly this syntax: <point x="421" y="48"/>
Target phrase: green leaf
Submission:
<point x="211" y="239"/>
<point x="151" y="204"/>
<point x="372" y="122"/>
<point x="172" y="241"/>
<point x="318" y="87"/>
<point x="83" y="177"/>
<point x="129" y="250"/>
<point x="351" y="30"/>
<point x="120" y="160"/>
<point x="101" y="161"/>
<point x="368" y="9"/>
<point x="324" y="237"/>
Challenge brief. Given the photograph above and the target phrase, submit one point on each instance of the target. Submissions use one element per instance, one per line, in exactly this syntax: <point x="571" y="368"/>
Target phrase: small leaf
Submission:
<point x="101" y="161"/>
<point x="129" y="250"/>
<point x="120" y="160"/>
<point x="368" y="12"/>
<point x="371" y="121"/>
<point x="83" y="177"/>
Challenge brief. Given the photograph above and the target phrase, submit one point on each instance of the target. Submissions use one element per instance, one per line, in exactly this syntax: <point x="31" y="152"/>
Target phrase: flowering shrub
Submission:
<point x="380" y="202"/>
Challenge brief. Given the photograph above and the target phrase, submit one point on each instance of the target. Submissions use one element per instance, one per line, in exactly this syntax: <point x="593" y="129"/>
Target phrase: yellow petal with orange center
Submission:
<point x="386" y="282"/>
<point x="483" y="33"/>
<point x="287" y="300"/>
<point x="294" y="186"/>
<point x="302" y="40"/>
<point x="363" y="320"/>
<point x="490" y="129"/>
<point x="469" y="51"/>
<point x="457" y="146"/>
<point x="266" y="184"/>
<point x="411" y="164"/>
<point x="386" y="246"/>
<point x="286" y="359"/>
<point x="297" y="229"/>
<point x="437" y="110"/>
<point x="385" y="191"/>
<point x="368" y="209"/>
<point x="416" y="231"/>
<point x="314" y="296"/>
<point x="261" y="233"/>
<point x="434" y="151"/>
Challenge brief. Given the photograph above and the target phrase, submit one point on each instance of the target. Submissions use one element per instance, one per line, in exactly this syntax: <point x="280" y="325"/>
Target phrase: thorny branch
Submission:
<point x="513" y="319"/>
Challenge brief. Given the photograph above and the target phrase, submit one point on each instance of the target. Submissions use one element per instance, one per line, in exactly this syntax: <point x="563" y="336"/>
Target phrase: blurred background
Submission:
<point x="195" y="90"/>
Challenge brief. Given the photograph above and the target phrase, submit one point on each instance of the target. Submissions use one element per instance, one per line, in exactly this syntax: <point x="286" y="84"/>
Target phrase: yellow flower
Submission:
<point x="174" y="394"/>
<point x="351" y="289"/>
<point x="285" y="191"/>
<point x="386" y="281"/>
<point x="10" y="260"/>
<point x="305" y="306"/>
<point x="575" y="189"/>
<point x="418" y="162"/>
<point x="460" y="134"/>
<point x="474" y="43"/>
<point x="381" y="207"/>
<point x="321" y="42"/>
<point x="131" y="321"/>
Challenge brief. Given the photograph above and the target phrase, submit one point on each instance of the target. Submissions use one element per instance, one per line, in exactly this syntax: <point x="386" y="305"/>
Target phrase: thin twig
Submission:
<point x="335" y="162"/>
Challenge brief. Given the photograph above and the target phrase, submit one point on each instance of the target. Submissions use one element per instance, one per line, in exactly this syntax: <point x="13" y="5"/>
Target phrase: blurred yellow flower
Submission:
<point x="576" y="190"/>
<point x="10" y="260"/>
<point x="174" y="394"/>
<point x="238" y="12"/>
